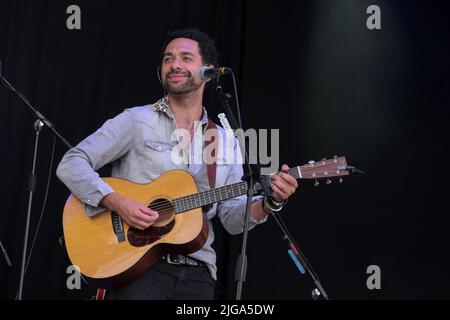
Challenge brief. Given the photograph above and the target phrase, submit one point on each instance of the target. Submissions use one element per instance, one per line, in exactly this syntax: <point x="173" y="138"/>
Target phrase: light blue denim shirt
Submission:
<point x="138" y="142"/>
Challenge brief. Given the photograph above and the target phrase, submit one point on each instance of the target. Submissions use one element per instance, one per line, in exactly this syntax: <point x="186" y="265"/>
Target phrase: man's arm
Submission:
<point x="77" y="170"/>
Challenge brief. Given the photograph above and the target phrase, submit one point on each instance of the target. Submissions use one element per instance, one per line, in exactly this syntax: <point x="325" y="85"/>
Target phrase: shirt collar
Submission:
<point x="163" y="105"/>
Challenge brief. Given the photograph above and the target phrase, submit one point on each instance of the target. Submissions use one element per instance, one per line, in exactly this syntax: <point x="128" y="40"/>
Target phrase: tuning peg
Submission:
<point x="311" y="162"/>
<point x="340" y="180"/>
<point x="316" y="183"/>
<point x="335" y="157"/>
<point x="328" y="181"/>
<point x="323" y="159"/>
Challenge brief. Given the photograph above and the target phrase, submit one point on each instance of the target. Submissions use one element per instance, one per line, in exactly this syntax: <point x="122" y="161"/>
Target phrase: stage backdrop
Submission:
<point x="313" y="70"/>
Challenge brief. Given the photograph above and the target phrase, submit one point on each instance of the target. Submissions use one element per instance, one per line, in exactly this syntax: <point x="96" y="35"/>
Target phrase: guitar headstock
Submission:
<point x="325" y="169"/>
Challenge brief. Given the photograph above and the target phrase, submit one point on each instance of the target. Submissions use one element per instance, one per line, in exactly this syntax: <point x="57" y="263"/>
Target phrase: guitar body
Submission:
<point x="110" y="253"/>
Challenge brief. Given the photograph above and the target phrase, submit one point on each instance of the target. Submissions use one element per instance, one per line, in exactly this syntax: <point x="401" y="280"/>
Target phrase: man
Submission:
<point x="139" y="142"/>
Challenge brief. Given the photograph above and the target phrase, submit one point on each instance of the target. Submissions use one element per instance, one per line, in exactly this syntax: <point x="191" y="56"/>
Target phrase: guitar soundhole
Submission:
<point x="162" y="226"/>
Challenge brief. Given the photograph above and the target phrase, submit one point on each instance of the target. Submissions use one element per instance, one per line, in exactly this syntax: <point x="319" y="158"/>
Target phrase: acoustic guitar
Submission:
<point x="109" y="253"/>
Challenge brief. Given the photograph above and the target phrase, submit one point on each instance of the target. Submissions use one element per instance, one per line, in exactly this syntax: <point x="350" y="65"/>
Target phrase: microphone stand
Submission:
<point x="299" y="259"/>
<point x="39" y="123"/>
<point x="251" y="176"/>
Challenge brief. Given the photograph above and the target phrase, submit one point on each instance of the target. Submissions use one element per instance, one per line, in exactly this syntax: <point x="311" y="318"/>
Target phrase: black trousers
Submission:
<point x="165" y="281"/>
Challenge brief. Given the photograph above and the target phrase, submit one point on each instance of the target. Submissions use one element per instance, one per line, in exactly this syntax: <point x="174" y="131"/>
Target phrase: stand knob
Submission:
<point x="38" y="125"/>
<point x="315" y="294"/>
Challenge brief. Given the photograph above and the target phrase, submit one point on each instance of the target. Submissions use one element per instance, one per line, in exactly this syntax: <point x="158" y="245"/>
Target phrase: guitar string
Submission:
<point x="185" y="201"/>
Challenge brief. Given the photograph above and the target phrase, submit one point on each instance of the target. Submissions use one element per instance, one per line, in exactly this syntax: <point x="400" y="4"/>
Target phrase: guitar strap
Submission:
<point x="212" y="165"/>
<point x="100" y="294"/>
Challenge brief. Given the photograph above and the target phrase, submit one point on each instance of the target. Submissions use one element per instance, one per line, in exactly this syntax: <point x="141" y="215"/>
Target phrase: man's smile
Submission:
<point x="176" y="76"/>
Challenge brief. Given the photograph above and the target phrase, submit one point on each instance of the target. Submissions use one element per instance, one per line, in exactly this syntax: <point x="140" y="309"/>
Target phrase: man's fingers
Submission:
<point x="288" y="179"/>
<point x="148" y="211"/>
<point x="279" y="192"/>
<point x="147" y="214"/>
<point x="284" y="178"/>
<point x="147" y="217"/>
<point x="284" y="185"/>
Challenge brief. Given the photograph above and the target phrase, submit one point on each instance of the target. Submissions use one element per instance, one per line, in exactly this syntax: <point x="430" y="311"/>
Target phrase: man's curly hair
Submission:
<point x="206" y="45"/>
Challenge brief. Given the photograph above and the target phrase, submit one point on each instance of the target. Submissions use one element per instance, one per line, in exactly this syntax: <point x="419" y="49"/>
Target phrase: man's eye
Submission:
<point x="187" y="58"/>
<point x="167" y="59"/>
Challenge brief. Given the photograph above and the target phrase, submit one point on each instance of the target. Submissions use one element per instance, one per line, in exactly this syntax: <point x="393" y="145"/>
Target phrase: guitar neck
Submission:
<point x="222" y="193"/>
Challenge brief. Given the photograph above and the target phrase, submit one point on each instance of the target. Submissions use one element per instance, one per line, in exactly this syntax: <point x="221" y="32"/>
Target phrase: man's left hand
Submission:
<point x="283" y="184"/>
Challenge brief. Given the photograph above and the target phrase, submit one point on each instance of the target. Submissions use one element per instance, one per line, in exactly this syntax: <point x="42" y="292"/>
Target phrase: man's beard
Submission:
<point x="188" y="86"/>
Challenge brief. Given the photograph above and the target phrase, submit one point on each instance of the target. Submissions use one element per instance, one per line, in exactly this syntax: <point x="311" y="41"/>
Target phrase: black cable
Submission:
<point x="237" y="101"/>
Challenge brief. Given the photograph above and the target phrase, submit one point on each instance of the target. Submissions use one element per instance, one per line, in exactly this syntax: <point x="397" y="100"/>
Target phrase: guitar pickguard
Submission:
<point x="140" y="238"/>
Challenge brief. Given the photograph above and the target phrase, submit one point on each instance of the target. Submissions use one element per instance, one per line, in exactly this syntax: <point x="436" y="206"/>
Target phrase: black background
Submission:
<point x="309" y="68"/>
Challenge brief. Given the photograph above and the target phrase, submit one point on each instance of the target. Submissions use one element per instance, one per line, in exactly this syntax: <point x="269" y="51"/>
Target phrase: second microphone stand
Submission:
<point x="39" y="123"/>
<point x="299" y="259"/>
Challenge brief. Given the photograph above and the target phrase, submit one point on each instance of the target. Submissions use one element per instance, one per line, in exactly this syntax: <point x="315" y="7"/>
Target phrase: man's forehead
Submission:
<point x="182" y="44"/>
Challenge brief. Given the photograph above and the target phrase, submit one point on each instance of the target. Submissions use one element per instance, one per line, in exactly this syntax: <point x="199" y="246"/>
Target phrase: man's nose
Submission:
<point x="176" y="64"/>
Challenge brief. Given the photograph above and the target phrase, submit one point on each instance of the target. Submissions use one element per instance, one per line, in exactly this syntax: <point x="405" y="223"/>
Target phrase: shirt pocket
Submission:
<point x="158" y="157"/>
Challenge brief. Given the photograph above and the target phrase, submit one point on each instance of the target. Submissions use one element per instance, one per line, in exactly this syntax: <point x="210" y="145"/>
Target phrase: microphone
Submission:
<point x="206" y="73"/>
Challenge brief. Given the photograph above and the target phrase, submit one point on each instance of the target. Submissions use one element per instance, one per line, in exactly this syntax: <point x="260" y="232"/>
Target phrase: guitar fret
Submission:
<point x="200" y="200"/>
<point x="190" y="202"/>
<point x="211" y="198"/>
<point x="194" y="201"/>
<point x="204" y="198"/>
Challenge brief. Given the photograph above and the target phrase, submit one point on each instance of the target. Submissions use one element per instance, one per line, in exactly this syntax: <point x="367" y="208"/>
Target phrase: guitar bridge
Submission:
<point x="117" y="227"/>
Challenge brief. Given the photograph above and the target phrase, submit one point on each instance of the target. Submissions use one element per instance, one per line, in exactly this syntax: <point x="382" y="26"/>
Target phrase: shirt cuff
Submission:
<point x="253" y="221"/>
<point x="93" y="211"/>
<point x="92" y="207"/>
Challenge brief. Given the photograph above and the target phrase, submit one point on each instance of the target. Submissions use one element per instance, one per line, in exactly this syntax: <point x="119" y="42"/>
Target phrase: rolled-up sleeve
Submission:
<point x="232" y="211"/>
<point x="77" y="168"/>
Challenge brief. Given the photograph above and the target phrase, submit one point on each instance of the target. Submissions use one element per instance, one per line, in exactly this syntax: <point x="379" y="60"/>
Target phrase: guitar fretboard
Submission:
<point x="222" y="193"/>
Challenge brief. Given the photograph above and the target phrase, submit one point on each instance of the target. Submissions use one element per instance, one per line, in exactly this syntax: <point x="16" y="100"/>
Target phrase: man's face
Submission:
<point x="180" y="65"/>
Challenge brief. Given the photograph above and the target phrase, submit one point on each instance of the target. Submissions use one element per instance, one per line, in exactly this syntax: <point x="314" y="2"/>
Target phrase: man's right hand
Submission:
<point x="133" y="213"/>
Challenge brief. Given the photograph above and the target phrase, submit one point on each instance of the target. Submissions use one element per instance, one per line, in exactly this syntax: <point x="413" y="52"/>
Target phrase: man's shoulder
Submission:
<point x="144" y="114"/>
<point x="141" y="110"/>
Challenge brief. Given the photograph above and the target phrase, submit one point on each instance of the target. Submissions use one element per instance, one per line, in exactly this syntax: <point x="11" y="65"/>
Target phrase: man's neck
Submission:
<point x="187" y="108"/>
